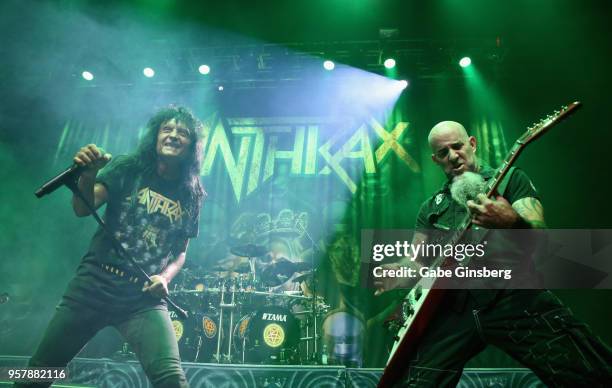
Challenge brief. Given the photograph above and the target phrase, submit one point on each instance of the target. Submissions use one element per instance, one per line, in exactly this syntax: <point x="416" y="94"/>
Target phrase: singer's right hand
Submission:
<point x="92" y="157"/>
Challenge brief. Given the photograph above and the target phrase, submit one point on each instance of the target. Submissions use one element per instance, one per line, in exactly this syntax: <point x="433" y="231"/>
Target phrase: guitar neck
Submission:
<point x="513" y="154"/>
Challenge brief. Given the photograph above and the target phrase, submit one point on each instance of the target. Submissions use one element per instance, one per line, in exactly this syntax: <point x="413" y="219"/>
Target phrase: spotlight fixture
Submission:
<point x="328" y="65"/>
<point x="403" y="84"/>
<point x="389" y="63"/>
<point x="465" y="62"/>
<point x="148" y="72"/>
<point x="220" y="88"/>
<point x="204" y="69"/>
<point x="87" y="75"/>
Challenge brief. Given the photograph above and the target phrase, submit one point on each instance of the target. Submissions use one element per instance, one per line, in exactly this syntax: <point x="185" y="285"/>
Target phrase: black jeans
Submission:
<point x="149" y="333"/>
<point x="533" y="327"/>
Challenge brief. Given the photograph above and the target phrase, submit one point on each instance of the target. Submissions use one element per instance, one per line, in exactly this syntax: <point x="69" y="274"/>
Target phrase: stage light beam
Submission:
<point x="148" y="72"/>
<point x="465" y="62"/>
<point x="87" y="75"/>
<point x="329" y="65"/>
<point x="389" y="63"/>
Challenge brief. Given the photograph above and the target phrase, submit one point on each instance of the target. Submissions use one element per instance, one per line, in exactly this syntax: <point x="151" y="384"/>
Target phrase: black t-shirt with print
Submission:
<point x="440" y="211"/>
<point x="440" y="214"/>
<point x="151" y="219"/>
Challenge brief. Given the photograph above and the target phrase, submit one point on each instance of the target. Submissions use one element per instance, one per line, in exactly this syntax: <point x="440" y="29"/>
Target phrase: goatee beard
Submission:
<point x="467" y="186"/>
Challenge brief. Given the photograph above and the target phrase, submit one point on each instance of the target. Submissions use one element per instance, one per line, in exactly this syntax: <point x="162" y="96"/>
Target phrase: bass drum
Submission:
<point x="343" y="337"/>
<point x="196" y="336"/>
<point x="269" y="335"/>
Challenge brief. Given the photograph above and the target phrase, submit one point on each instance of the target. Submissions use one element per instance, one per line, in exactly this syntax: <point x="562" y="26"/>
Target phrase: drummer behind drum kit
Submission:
<point x="235" y="317"/>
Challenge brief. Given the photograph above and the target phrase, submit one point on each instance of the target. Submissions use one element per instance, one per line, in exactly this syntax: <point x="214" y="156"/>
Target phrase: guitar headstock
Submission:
<point x="541" y="126"/>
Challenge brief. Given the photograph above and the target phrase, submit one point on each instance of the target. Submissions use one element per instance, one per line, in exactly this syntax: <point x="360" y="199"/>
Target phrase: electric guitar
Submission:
<point x="422" y="301"/>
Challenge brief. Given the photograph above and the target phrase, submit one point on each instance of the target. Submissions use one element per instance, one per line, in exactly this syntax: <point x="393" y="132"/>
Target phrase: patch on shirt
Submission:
<point x="439" y="198"/>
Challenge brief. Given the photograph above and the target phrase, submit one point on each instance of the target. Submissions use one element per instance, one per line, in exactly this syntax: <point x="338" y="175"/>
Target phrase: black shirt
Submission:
<point x="440" y="211"/>
<point x="151" y="218"/>
<point x="440" y="214"/>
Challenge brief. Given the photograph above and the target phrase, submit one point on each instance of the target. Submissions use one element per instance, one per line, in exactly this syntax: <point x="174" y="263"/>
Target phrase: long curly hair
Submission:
<point x="144" y="158"/>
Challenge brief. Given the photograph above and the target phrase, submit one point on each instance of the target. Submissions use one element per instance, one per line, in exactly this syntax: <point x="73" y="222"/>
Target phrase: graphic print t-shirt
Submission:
<point x="151" y="220"/>
<point x="147" y="215"/>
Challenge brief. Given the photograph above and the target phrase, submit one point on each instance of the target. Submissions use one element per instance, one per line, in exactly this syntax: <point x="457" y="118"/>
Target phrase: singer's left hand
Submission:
<point x="494" y="213"/>
<point x="158" y="286"/>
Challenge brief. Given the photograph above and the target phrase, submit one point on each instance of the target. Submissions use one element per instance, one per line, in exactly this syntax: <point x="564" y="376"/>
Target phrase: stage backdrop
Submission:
<point x="298" y="171"/>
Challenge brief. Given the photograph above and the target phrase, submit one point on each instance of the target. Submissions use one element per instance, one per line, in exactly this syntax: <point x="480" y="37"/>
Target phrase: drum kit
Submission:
<point x="240" y="311"/>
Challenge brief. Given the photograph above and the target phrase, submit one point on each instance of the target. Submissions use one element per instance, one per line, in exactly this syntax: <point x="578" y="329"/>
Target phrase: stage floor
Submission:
<point x="106" y="373"/>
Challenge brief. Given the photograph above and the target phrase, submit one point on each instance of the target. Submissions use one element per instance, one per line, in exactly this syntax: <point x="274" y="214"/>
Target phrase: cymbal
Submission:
<point x="303" y="277"/>
<point x="219" y="271"/>
<point x="277" y="273"/>
<point x="232" y="264"/>
<point x="302" y="266"/>
<point x="248" y="250"/>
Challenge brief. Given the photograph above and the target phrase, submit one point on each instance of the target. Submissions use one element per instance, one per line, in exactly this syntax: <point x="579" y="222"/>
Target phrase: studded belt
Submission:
<point x="130" y="277"/>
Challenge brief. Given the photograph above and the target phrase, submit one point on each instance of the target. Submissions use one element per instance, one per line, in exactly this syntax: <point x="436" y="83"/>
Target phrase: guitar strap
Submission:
<point x="501" y="189"/>
<point x="478" y="234"/>
<point x="484" y="298"/>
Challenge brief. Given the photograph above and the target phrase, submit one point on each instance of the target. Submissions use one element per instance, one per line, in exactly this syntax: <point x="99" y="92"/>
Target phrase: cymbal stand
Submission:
<point x="315" y="249"/>
<point x="220" y="334"/>
<point x="231" y="306"/>
<point x="222" y="306"/>
<point x="197" y="355"/>
<point x="243" y="346"/>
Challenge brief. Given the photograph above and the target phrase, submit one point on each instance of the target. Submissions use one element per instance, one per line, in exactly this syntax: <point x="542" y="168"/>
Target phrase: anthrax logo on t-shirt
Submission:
<point x="156" y="202"/>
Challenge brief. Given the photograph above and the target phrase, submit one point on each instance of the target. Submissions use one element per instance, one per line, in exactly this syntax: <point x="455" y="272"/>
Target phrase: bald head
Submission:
<point x="444" y="129"/>
<point x="452" y="149"/>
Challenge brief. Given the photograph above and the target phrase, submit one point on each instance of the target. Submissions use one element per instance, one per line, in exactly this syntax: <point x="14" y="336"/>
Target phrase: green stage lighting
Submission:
<point x="148" y="72"/>
<point x="465" y="62"/>
<point x="204" y="69"/>
<point x="389" y="63"/>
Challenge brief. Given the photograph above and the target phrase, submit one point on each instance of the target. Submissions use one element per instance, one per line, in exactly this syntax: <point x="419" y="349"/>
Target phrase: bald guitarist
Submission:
<point x="532" y="326"/>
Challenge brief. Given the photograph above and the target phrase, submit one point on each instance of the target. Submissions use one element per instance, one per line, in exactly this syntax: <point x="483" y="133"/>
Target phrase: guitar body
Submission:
<point x="424" y="306"/>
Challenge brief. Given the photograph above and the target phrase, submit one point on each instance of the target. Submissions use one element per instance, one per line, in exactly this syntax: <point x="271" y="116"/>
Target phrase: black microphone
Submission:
<point x="59" y="180"/>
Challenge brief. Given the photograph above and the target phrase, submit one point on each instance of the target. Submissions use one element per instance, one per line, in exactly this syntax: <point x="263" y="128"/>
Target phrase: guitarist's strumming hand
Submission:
<point x="493" y="213"/>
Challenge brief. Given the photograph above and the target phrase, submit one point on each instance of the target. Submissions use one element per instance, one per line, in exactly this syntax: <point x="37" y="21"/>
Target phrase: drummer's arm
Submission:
<point x="159" y="282"/>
